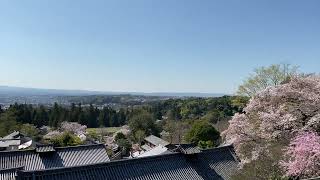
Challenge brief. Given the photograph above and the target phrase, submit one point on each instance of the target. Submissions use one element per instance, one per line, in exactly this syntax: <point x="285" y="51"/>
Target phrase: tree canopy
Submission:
<point x="143" y="121"/>
<point x="204" y="133"/>
<point x="264" y="77"/>
<point x="273" y="118"/>
<point x="66" y="139"/>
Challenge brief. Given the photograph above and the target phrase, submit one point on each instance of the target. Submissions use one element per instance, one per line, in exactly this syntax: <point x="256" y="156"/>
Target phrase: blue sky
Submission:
<point x="153" y="45"/>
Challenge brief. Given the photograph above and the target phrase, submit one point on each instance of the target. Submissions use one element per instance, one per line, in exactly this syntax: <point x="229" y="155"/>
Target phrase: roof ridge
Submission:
<point x="13" y="168"/>
<point x="113" y="163"/>
<point x="17" y="151"/>
<point x="78" y="146"/>
<point x="218" y="148"/>
<point x="155" y="147"/>
<point x="58" y="148"/>
<point x="212" y="165"/>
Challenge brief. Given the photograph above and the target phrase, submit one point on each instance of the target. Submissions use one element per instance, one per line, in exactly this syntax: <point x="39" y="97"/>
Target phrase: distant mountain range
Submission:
<point x="21" y="91"/>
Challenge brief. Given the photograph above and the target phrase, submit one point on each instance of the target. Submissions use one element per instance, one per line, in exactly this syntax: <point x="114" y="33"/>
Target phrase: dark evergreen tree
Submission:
<point x="104" y="117"/>
<point x="41" y="117"/>
<point x="55" y="116"/>
<point x="122" y="117"/>
<point x="27" y="114"/>
<point x="74" y="113"/>
<point x="92" y="117"/>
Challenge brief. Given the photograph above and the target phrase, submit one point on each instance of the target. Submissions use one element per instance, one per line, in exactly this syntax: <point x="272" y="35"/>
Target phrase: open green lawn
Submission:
<point x="106" y="130"/>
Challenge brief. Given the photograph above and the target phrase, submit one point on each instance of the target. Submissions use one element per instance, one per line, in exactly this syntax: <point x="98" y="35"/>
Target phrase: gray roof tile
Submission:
<point x="45" y="148"/>
<point x="218" y="163"/>
<point x="188" y="148"/>
<point x="62" y="157"/>
<point x="14" y="135"/>
<point x="9" y="174"/>
<point x="156" y="141"/>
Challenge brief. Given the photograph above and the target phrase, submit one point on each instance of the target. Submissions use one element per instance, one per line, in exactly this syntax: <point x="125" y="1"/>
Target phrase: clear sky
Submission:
<point x="153" y="45"/>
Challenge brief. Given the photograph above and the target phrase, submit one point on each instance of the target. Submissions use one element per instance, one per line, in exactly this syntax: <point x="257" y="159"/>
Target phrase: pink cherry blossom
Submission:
<point x="303" y="155"/>
<point x="73" y="127"/>
<point x="276" y="114"/>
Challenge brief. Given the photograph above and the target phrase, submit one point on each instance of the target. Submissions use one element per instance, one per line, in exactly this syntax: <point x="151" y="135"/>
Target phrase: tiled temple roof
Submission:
<point x="188" y="148"/>
<point x="61" y="157"/>
<point x="9" y="174"/>
<point x="45" y="148"/>
<point x="217" y="163"/>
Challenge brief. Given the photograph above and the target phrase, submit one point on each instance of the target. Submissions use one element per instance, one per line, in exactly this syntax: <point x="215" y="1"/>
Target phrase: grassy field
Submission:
<point x="106" y="130"/>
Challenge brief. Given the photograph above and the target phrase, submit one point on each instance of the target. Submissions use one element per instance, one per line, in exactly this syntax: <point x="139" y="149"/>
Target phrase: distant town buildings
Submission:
<point x="15" y="141"/>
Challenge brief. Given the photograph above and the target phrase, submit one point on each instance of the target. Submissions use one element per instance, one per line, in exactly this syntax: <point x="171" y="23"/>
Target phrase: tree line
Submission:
<point x="52" y="116"/>
<point x="141" y="118"/>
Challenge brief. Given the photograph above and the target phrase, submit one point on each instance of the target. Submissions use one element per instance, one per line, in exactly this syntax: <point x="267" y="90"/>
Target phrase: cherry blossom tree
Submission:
<point x="303" y="155"/>
<point x="274" y="116"/>
<point x="73" y="127"/>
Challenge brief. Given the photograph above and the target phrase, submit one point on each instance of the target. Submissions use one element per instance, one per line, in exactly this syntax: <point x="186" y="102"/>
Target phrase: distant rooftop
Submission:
<point x="15" y="139"/>
<point x="156" y="140"/>
<point x="155" y="151"/>
<point x="146" y="147"/>
<point x="13" y="135"/>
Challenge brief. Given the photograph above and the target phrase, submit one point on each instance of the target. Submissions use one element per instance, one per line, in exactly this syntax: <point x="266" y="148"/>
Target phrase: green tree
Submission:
<point x="205" y="144"/>
<point x="144" y="121"/>
<point x="122" y="117"/>
<point x="74" y="113"/>
<point x="174" y="113"/>
<point x="27" y="114"/>
<point x="119" y="135"/>
<point x="171" y="127"/>
<point x="55" y="116"/>
<point x="214" y="116"/>
<point x="92" y="117"/>
<point x="92" y="133"/>
<point x="83" y="119"/>
<point x="41" y="117"/>
<point x="8" y="123"/>
<point x="66" y="139"/>
<point x="264" y="77"/>
<point x="139" y="136"/>
<point x="30" y="131"/>
<point x="103" y="118"/>
<point x="124" y="144"/>
<point x="240" y="102"/>
<point x="115" y="119"/>
<point x="202" y="131"/>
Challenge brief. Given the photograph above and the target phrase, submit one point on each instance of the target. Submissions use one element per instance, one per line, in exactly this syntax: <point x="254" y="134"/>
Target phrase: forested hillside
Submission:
<point x="189" y="109"/>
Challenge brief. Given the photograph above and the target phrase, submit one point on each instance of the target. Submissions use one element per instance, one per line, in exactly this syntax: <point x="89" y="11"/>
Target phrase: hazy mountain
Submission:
<point x="21" y="91"/>
<point x="179" y="94"/>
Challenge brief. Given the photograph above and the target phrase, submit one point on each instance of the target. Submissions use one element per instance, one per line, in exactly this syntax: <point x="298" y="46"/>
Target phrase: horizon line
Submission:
<point x="115" y="91"/>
